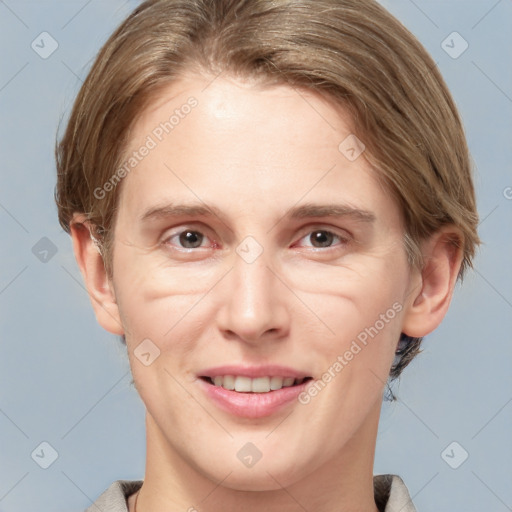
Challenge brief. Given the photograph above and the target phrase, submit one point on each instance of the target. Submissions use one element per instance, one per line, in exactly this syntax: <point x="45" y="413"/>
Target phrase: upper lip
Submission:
<point x="253" y="371"/>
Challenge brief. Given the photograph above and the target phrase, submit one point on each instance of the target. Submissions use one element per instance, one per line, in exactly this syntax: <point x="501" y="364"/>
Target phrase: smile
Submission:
<point x="242" y="384"/>
<point x="253" y="391"/>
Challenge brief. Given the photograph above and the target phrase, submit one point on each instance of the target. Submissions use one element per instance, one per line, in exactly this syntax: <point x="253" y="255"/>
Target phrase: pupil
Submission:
<point x="191" y="239"/>
<point x="322" y="239"/>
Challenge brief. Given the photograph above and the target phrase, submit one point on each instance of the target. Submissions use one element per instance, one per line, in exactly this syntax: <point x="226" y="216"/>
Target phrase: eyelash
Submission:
<point x="344" y="240"/>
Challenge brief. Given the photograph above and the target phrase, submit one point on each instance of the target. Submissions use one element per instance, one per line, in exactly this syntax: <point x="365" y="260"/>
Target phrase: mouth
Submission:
<point x="260" y="393"/>
<point x="243" y="384"/>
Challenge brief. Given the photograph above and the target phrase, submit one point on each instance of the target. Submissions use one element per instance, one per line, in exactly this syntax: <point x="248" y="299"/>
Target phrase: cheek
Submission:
<point x="353" y="300"/>
<point x="155" y="298"/>
<point x="359" y="350"/>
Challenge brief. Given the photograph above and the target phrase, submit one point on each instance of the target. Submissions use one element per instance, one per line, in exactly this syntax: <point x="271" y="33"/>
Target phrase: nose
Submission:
<point x="254" y="307"/>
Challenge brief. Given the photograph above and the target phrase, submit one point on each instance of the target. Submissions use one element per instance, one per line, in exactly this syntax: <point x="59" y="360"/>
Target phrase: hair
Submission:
<point x="352" y="52"/>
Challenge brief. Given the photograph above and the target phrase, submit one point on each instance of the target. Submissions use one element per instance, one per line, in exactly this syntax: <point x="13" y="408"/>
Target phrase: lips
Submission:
<point x="253" y="392"/>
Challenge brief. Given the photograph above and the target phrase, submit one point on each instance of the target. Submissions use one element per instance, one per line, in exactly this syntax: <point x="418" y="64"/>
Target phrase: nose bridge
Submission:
<point x="254" y="303"/>
<point x="252" y="283"/>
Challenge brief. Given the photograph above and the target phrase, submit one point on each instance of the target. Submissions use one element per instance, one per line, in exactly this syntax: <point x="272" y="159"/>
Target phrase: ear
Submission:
<point x="432" y="292"/>
<point x="99" y="286"/>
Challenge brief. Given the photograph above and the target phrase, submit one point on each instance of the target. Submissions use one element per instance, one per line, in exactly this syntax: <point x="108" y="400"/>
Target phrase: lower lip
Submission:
<point x="253" y="405"/>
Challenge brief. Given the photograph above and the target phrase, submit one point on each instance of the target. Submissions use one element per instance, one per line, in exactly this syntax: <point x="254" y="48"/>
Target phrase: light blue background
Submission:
<point x="65" y="381"/>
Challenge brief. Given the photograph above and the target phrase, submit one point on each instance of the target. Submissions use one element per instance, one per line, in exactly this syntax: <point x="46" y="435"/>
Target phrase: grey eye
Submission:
<point x="191" y="239"/>
<point x="321" y="238"/>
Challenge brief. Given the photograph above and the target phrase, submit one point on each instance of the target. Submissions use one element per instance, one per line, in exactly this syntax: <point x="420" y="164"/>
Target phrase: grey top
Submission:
<point x="391" y="495"/>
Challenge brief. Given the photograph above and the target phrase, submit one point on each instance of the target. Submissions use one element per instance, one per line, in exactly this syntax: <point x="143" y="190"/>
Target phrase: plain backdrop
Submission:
<point x="66" y="382"/>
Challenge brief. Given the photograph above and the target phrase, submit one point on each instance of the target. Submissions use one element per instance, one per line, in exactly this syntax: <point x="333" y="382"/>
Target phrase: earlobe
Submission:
<point x="430" y="296"/>
<point x="90" y="261"/>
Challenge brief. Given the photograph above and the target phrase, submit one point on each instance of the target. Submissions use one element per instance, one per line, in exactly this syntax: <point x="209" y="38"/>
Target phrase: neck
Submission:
<point x="343" y="483"/>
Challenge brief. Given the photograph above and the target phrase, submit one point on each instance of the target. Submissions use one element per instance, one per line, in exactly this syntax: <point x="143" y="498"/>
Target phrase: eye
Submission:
<point x="322" y="238"/>
<point x="187" y="239"/>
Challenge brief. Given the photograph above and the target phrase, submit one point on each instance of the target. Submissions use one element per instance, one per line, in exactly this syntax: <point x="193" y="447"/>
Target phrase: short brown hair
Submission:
<point x="353" y="52"/>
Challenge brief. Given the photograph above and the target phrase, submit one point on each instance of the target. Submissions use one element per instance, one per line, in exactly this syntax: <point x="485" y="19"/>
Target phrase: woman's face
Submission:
<point x="254" y="249"/>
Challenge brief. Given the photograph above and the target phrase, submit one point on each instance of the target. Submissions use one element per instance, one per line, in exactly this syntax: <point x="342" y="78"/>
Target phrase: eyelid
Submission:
<point x="342" y="234"/>
<point x="323" y="226"/>
<point x="177" y="230"/>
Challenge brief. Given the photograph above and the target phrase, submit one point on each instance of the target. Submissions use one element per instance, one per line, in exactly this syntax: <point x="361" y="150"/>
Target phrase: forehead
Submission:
<point x="224" y="105"/>
<point x="240" y="146"/>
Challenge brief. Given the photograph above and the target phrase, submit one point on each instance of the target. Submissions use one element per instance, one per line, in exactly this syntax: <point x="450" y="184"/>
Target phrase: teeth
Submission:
<point x="276" y="383"/>
<point x="243" y="384"/>
<point x="229" y="382"/>
<point x="261" y="385"/>
<point x="256" y="385"/>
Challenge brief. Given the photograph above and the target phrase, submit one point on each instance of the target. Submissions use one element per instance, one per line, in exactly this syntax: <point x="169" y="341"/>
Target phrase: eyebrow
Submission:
<point x="308" y="210"/>
<point x="331" y="210"/>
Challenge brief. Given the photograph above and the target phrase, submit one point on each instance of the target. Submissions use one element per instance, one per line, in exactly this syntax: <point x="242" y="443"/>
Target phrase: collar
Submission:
<point x="391" y="495"/>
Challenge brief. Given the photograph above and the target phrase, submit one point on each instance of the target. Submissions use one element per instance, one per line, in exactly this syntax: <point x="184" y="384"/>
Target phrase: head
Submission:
<point x="266" y="183"/>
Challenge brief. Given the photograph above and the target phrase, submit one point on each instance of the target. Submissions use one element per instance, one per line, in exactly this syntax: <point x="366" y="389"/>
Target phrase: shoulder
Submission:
<point x="391" y="494"/>
<point x="114" y="498"/>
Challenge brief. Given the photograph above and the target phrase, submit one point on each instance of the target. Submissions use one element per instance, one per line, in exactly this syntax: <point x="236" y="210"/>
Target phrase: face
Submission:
<point x="253" y="251"/>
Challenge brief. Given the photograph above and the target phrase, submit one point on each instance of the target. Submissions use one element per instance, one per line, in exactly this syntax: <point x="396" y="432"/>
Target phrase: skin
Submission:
<point x="254" y="153"/>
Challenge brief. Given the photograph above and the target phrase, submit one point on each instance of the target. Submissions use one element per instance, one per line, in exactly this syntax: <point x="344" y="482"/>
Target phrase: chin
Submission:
<point x="264" y="479"/>
<point x="269" y="473"/>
